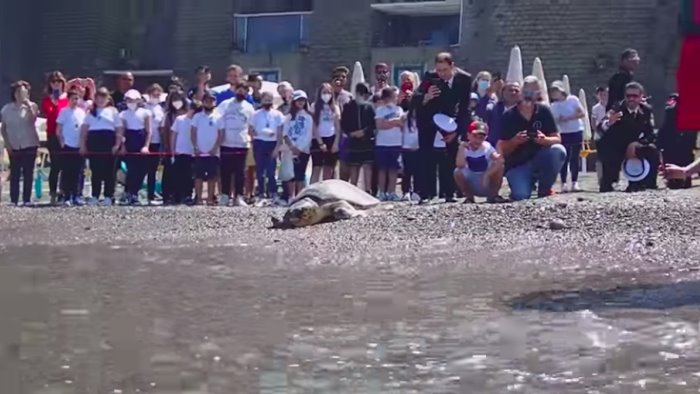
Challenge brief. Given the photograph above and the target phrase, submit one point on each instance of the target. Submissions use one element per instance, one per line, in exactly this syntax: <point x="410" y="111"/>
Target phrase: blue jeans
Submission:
<point x="265" y="166"/>
<point x="543" y="169"/>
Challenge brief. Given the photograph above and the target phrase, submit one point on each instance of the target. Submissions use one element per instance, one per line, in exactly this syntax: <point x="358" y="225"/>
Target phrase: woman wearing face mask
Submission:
<point x="482" y="82"/>
<point x="569" y="114"/>
<point x="52" y="103"/>
<point x="298" y="133"/>
<point x="100" y="139"/>
<point x="137" y="133"/>
<point x="358" y="125"/>
<point x="265" y="128"/>
<point x="409" y="82"/>
<point x="21" y="140"/>
<point x="158" y="139"/>
<point x="179" y="121"/>
<point x="324" y="148"/>
<point x="68" y="132"/>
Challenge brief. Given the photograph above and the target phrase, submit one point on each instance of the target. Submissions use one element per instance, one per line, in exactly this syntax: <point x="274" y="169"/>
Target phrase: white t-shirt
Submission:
<point x="70" y="120"/>
<point x="480" y="159"/>
<point x="392" y="136"/>
<point x="266" y="123"/>
<point x="438" y="142"/>
<point x="326" y="121"/>
<point x="567" y="107"/>
<point x="135" y="120"/>
<point x="107" y="119"/>
<point x="299" y="130"/>
<point x="182" y="130"/>
<point x="207" y="126"/>
<point x="410" y="135"/>
<point x="236" y="116"/>
<point x="157" y="121"/>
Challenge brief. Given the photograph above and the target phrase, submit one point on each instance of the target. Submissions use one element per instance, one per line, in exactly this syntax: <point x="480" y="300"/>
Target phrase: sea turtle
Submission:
<point x="327" y="200"/>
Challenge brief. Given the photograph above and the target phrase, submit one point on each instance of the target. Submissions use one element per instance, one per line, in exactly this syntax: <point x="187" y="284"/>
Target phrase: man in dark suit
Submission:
<point x="629" y="61"/>
<point x="444" y="90"/>
<point x="628" y="132"/>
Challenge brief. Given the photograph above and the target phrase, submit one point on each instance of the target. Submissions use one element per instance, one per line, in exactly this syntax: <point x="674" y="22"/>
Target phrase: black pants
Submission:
<point x="169" y="177"/>
<point x="410" y="167"/>
<point x="152" y="163"/>
<point x="426" y="176"/>
<point x="183" y="183"/>
<point x="55" y="156"/>
<point x="71" y="165"/>
<point x="22" y="162"/>
<point x="612" y="163"/>
<point x="444" y="166"/>
<point x="233" y="165"/>
<point x="102" y="162"/>
<point x="136" y="163"/>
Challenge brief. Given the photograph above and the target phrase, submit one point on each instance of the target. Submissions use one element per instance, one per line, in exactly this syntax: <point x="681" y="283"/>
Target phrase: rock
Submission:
<point x="557" y="224"/>
<point x="581" y="199"/>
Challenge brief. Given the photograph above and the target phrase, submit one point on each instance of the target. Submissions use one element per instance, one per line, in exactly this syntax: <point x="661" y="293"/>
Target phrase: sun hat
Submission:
<point x="445" y="122"/>
<point x="132" y="94"/>
<point x="636" y="169"/>
<point x="298" y="95"/>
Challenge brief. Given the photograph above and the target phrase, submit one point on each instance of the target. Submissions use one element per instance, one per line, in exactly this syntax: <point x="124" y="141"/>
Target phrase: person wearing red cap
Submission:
<point x="480" y="167"/>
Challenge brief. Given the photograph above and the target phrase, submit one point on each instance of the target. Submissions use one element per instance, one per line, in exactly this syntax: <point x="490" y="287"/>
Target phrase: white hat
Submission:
<point x="299" y="94"/>
<point x="538" y="71"/>
<point x="567" y="85"/>
<point x="132" y="94"/>
<point x="515" y="66"/>
<point x="635" y="169"/>
<point x="559" y="85"/>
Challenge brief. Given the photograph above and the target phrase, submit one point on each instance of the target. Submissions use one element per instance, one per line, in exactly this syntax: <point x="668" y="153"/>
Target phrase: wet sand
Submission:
<point x="446" y="298"/>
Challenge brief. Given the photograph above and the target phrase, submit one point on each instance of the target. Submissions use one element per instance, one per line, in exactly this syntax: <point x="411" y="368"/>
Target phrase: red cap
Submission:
<point x="478" y="127"/>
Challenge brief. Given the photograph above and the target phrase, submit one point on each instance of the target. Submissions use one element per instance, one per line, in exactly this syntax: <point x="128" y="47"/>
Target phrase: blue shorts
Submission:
<point x="206" y="168"/>
<point x="387" y="157"/>
<point x="475" y="180"/>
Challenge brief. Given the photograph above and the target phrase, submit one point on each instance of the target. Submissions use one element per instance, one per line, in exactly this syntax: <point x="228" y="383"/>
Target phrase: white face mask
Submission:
<point x="177" y="104"/>
<point x="325" y="97"/>
<point x="154" y="100"/>
<point x="132" y="106"/>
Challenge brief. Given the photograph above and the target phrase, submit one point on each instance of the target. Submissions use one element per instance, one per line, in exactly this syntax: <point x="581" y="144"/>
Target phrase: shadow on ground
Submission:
<point x="657" y="297"/>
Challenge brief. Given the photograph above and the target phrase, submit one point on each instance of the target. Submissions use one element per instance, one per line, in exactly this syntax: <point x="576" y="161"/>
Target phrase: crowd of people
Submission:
<point x="239" y="144"/>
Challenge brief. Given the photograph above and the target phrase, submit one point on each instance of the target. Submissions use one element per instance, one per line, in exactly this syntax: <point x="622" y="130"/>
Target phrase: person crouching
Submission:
<point x="207" y="135"/>
<point x="480" y="167"/>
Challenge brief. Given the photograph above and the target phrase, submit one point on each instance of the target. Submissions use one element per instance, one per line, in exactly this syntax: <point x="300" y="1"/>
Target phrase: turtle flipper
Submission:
<point x="342" y="210"/>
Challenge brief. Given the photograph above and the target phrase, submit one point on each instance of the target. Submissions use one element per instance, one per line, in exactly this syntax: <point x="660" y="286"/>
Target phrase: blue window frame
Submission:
<point x="265" y="33"/>
<point x="270" y="75"/>
<point x="416" y="68"/>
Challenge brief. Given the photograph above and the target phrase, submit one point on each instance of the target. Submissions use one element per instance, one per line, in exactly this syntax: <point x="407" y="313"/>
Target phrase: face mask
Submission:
<point x="240" y="97"/>
<point x="361" y="100"/>
<point x="267" y="105"/>
<point x="154" y="100"/>
<point x="326" y="97"/>
<point x="483" y="85"/>
<point x="529" y="95"/>
<point x="177" y="104"/>
<point x="132" y="106"/>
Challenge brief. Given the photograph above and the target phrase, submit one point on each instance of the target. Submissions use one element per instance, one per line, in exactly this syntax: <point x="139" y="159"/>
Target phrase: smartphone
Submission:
<point x="437" y="82"/>
<point x="407" y="86"/>
<point x="532" y="134"/>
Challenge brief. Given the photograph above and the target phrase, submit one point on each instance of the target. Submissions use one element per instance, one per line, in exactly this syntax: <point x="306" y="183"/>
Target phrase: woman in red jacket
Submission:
<point x="51" y="105"/>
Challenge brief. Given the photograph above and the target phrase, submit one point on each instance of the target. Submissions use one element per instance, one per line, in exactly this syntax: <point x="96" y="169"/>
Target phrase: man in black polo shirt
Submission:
<point x="531" y="145"/>
<point x="629" y="61"/>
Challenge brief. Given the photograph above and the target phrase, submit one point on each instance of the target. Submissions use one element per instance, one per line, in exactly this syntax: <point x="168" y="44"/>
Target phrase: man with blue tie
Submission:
<point x="445" y="90"/>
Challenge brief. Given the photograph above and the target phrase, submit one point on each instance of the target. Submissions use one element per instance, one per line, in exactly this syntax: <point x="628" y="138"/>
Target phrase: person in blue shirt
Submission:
<point x="234" y="76"/>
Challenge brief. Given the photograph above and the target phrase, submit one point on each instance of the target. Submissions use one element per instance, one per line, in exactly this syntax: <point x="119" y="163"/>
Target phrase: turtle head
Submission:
<point x="301" y="216"/>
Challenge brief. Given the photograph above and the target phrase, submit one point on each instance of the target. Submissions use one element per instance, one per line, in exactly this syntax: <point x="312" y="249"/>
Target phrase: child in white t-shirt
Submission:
<point x="207" y="135"/>
<point x="480" y="168"/>
<point x="410" y="158"/>
<point x="388" y="142"/>
<point x="298" y="136"/>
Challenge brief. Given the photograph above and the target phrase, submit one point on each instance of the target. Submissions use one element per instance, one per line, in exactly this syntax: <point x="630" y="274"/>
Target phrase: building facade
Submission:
<point x="302" y="40"/>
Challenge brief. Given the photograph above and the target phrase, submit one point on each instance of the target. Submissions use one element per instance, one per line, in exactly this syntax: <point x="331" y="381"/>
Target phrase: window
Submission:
<point x="269" y="33"/>
<point x="267" y="74"/>
<point x="417" y="68"/>
<point x="411" y="31"/>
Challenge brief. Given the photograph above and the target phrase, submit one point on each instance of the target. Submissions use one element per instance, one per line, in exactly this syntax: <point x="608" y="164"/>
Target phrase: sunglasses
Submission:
<point x="632" y="95"/>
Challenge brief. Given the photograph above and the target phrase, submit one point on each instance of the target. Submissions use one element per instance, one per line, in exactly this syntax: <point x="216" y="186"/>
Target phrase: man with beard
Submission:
<point x="381" y="75"/>
<point x="443" y="91"/>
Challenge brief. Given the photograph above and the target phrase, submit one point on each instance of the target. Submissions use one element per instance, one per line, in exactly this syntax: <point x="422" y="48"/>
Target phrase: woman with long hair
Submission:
<point x="298" y="133"/>
<point x="137" y="132"/>
<point x="21" y="140"/>
<point x="178" y="122"/>
<point x="324" y="148"/>
<point x="158" y="139"/>
<point x="52" y="103"/>
<point x="100" y="140"/>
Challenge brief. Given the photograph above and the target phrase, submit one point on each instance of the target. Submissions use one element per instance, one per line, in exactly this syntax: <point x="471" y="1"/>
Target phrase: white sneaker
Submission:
<point x="223" y="200"/>
<point x="406" y="197"/>
<point x="564" y="188"/>
<point x="239" y="202"/>
<point x="68" y="203"/>
<point x="575" y="187"/>
<point x="381" y="196"/>
<point x="415" y="197"/>
<point x="107" y="202"/>
<point x="92" y="201"/>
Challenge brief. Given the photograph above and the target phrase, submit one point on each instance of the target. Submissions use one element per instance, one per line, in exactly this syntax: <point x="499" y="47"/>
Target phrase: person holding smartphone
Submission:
<point x="51" y="105"/>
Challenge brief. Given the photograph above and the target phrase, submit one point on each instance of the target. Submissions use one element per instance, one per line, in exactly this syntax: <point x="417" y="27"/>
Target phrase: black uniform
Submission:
<point x="452" y="101"/>
<point x="632" y="127"/>
<point x="616" y="87"/>
<point x="677" y="147"/>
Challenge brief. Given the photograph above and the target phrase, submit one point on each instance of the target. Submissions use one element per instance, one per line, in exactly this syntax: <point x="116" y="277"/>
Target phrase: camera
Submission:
<point x="532" y="134"/>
